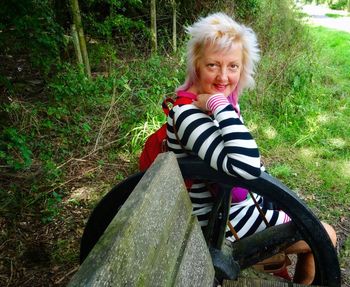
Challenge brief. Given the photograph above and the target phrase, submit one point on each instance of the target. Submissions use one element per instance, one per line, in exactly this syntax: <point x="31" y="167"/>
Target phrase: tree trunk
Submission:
<point x="174" y="26"/>
<point x="76" y="45"/>
<point x="348" y="5"/>
<point x="77" y="22"/>
<point x="154" y="26"/>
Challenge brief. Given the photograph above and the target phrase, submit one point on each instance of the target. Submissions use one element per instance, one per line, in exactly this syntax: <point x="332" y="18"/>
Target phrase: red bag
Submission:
<point x="156" y="142"/>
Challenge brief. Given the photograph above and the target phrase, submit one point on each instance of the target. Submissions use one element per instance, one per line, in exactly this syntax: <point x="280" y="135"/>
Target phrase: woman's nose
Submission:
<point x="222" y="75"/>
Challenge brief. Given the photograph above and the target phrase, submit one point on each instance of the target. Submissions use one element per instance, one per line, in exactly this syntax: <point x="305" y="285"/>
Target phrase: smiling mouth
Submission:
<point x="220" y="88"/>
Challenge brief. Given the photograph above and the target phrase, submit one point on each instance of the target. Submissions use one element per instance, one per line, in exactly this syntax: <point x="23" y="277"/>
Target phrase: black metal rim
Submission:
<point x="308" y="225"/>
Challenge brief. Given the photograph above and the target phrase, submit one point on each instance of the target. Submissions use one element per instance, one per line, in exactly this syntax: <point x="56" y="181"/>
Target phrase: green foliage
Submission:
<point x="247" y="10"/>
<point x="64" y="252"/>
<point x="14" y="150"/>
<point x="151" y="81"/>
<point x="286" y="68"/>
<point x="334" y="15"/>
<point x="339" y="5"/>
<point x="39" y="136"/>
<point x="345" y="254"/>
<point x="282" y="171"/>
<point x="52" y="208"/>
<point x="115" y="22"/>
<point x="303" y="131"/>
<point x="29" y="27"/>
<point x="70" y="84"/>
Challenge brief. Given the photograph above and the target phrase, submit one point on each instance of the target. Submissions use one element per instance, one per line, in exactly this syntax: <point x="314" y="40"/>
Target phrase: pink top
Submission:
<point x="186" y="94"/>
<point x="232" y="99"/>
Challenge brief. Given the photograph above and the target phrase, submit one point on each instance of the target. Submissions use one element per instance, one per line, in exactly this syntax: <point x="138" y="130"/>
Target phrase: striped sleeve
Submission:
<point x="215" y="101"/>
<point x="223" y="141"/>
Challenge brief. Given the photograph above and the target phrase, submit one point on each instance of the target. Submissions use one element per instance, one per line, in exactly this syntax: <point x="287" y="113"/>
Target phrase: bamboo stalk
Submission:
<point x="154" y="47"/>
<point x="174" y="26"/>
<point x="77" y="22"/>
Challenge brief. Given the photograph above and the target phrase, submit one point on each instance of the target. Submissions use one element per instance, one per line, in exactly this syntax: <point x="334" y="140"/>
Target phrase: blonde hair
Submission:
<point x="222" y="31"/>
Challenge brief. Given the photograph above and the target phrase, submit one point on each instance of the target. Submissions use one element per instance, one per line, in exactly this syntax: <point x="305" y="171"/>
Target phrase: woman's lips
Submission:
<point x="220" y="88"/>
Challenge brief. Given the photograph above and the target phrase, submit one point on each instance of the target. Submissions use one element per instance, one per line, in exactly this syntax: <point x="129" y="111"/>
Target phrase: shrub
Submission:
<point x="339" y="5"/>
<point x="14" y="150"/>
<point x="29" y="28"/>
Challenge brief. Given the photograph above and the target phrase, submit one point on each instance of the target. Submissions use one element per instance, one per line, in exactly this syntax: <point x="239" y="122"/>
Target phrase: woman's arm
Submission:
<point x="227" y="146"/>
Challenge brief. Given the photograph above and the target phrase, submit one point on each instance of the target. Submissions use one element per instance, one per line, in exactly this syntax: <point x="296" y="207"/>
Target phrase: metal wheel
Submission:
<point x="305" y="224"/>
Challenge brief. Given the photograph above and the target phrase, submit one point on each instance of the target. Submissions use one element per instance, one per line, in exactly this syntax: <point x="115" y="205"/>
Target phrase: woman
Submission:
<point x="221" y="60"/>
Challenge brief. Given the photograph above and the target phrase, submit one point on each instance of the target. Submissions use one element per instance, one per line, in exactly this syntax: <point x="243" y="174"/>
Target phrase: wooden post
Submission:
<point x="174" y="25"/>
<point x="79" y="27"/>
<point x="154" y="26"/>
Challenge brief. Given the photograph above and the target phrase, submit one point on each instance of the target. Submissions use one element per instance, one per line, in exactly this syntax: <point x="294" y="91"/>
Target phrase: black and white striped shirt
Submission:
<point x="221" y="140"/>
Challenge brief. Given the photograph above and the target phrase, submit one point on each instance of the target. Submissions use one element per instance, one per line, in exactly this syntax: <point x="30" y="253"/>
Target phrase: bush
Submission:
<point x="14" y="150"/>
<point x="29" y="28"/>
<point x="285" y="65"/>
<point x="339" y="5"/>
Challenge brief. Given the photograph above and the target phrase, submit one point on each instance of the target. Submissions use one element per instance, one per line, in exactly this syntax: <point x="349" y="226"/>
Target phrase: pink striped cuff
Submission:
<point x="286" y="218"/>
<point x="216" y="101"/>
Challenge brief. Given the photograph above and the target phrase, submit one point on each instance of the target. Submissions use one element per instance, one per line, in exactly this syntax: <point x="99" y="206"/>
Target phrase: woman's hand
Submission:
<point x="201" y="101"/>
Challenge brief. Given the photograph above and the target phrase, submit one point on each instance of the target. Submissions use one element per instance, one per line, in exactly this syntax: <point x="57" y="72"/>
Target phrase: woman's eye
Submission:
<point x="211" y="65"/>
<point x="234" y="67"/>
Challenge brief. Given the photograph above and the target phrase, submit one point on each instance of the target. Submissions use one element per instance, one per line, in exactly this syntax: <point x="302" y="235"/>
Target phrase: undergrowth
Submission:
<point x="77" y="118"/>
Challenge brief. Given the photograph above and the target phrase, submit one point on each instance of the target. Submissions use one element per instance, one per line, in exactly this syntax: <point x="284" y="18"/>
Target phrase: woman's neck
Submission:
<point x="193" y="90"/>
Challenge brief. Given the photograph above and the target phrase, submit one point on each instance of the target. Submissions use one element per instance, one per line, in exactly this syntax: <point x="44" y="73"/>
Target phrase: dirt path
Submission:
<point x="318" y="17"/>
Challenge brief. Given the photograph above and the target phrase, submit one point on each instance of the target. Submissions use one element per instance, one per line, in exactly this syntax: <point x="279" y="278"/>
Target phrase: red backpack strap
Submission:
<point x="183" y="101"/>
<point x="168" y="103"/>
<point x="165" y="105"/>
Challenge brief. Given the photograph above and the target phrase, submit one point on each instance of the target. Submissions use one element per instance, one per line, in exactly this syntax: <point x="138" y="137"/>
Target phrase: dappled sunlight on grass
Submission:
<point x="252" y="126"/>
<point x="323" y="118"/>
<point x="308" y="153"/>
<point x="87" y="194"/>
<point x="337" y="143"/>
<point x="314" y="174"/>
<point x="270" y="132"/>
<point x="345" y="169"/>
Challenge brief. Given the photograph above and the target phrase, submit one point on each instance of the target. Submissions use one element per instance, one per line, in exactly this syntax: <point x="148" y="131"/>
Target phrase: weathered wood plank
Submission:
<point x="253" y="282"/>
<point x="146" y="243"/>
<point x="195" y="267"/>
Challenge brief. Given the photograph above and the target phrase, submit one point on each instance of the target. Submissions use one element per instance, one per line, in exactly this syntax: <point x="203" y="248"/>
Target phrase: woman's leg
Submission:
<point x="305" y="267"/>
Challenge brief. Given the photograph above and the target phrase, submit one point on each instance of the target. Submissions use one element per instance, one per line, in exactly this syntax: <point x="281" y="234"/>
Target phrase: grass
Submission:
<point x="334" y="15"/>
<point x="307" y="143"/>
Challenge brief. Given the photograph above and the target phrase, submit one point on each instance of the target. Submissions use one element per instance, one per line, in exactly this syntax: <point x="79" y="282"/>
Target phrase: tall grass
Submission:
<point x="302" y="126"/>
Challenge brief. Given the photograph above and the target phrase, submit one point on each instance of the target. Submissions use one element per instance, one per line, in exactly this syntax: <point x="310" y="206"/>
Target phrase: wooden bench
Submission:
<point x="153" y="240"/>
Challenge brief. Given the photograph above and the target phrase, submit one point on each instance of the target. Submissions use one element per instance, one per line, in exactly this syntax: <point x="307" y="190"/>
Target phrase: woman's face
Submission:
<point x="219" y="70"/>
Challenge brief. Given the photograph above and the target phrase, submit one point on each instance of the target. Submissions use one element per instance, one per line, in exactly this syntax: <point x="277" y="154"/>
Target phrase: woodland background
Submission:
<point x="70" y="131"/>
